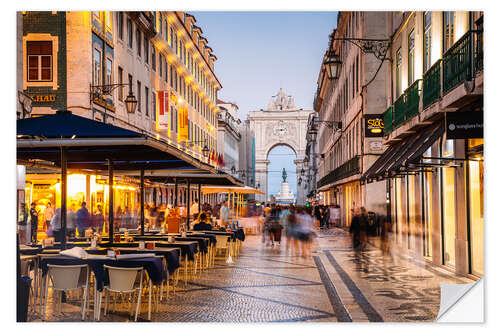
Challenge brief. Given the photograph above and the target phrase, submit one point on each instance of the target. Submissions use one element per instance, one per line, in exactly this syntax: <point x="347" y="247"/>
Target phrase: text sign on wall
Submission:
<point x="464" y="125"/>
<point x="374" y="125"/>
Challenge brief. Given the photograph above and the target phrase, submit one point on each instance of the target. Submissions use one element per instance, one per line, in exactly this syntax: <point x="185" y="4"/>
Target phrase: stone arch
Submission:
<point x="275" y="144"/>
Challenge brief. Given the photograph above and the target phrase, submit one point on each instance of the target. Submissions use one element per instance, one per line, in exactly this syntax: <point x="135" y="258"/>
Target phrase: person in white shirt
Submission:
<point x="195" y="209"/>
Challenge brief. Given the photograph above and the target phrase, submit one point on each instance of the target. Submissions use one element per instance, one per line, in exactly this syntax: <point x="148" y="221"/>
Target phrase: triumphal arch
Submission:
<point x="281" y="123"/>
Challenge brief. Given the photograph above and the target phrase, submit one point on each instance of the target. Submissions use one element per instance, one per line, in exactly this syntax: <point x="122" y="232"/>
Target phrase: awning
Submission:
<point x="220" y="179"/>
<point x="230" y="189"/>
<point x="403" y="153"/>
<point x="90" y="144"/>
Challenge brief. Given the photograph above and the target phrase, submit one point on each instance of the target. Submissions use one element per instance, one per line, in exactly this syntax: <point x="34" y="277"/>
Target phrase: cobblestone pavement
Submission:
<point x="264" y="284"/>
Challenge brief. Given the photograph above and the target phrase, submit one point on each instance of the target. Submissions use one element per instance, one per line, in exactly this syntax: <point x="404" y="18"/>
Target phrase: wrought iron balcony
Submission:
<point x="460" y="61"/>
<point x="432" y="85"/>
<point x="388" y="114"/>
<point x="347" y="169"/>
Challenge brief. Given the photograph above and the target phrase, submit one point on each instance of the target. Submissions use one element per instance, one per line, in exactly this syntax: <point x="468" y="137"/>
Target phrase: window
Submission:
<point x="130" y="33"/>
<point x="171" y="38"/>
<point x="411" y="57"/>
<point x="153" y="58"/>
<point x="109" y="71"/>
<point x="39" y="61"/>
<point x="146" y="50"/>
<point x="120" y="24"/>
<point x="109" y="23"/>
<point x="399" y="87"/>
<point x="138" y="38"/>
<point x="139" y="100"/>
<point x="448" y="30"/>
<point x="97" y="68"/>
<point x="153" y="100"/>
<point x="146" y="101"/>
<point x="171" y="77"/>
<point x="120" y="81"/>
<point x="160" y="71"/>
<point x="427" y="41"/>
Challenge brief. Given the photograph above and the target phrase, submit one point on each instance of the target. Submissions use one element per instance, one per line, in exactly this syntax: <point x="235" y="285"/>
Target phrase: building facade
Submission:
<point x="344" y="105"/>
<point x="89" y="62"/>
<point x="433" y="129"/>
<point x="229" y="137"/>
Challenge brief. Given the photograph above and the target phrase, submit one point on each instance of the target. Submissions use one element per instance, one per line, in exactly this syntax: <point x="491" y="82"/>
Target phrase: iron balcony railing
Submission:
<point x="460" y="59"/>
<point x="412" y="99"/>
<point x="399" y="111"/>
<point x="388" y="121"/>
<point x="460" y="63"/>
<point x="347" y="169"/>
<point x="431" y="91"/>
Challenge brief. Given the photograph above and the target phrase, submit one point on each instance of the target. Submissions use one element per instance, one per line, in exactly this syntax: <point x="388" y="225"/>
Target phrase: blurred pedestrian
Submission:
<point x="34" y="222"/>
<point x="71" y="220"/>
<point x="83" y="220"/>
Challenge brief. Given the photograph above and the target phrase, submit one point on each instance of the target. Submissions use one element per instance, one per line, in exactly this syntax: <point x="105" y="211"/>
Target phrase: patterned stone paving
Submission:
<point x="264" y="284"/>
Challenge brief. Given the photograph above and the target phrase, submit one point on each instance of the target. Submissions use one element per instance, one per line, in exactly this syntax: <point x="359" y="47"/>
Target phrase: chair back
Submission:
<point x="65" y="277"/>
<point x="25" y="265"/>
<point x="221" y="242"/>
<point x="122" y="279"/>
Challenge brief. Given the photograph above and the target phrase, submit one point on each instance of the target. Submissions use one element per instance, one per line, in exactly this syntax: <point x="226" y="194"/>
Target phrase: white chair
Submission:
<point x="123" y="281"/>
<point x="223" y="244"/>
<point x="66" y="278"/>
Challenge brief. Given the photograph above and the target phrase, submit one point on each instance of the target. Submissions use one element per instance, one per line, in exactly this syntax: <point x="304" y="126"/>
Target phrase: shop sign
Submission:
<point x="163" y="116"/>
<point x="374" y="125"/>
<point x="43" y="98"/>
<point x="183" y="126"/>
<point x="464" y="125"/>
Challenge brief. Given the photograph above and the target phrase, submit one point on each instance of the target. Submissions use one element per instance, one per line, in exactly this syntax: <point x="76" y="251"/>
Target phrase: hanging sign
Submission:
<point x="183" y="126"/>
<point x="374" y="125"/>
<point x="464" y="125"/>
<point x="163" y="116"/>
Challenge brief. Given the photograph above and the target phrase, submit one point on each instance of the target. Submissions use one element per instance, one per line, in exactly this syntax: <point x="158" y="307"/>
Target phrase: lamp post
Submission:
<point x="107" y="89"/>
<point x="332" y="65"/>
<point x="313" y="134"/>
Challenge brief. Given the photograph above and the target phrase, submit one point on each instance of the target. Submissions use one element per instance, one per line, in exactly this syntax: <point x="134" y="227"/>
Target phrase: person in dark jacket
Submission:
<point x="203" y="224"/>
<point x="82" y="219"/>
<point x="358" y="229"/>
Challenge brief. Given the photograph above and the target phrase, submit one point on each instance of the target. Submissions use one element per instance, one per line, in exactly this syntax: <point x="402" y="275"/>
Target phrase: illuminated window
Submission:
<point x="97" y="68"/>
<point x="109" y="22"/>
<point x="411" y="57"/>
<point x="448" y="30"/>
<point x="399" y="85"/>
<point x="109" y="71"/>
<point x="39" y="61"/>
<point x="427" y="41"/>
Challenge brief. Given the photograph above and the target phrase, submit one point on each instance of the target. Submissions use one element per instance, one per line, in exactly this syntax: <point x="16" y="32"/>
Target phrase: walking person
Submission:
<point x="71" y="221"/>
<point x="55" y="225"/>
<point x="34" y="222"/>
<point x="224" y="214"/>
<point x="48" y="214"/>
<point x="82" y="219"/>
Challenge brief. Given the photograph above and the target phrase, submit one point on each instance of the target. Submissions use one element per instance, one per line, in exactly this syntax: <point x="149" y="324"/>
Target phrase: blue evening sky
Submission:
<point x="260" y="52"/>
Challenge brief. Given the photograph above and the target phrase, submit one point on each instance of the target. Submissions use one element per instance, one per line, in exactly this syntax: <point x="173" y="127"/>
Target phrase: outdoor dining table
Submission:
<point x="202" y="242"/>
<point x="152" y="265"/>
<point x="171" y="254"/>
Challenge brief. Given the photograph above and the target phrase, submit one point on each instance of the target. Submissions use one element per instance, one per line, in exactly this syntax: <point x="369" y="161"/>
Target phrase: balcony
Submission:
<point x="406" y="106"/>
<point x="388" y="120"/>
<point x="432" y="85"/>
<point x="347" y="169"/>
<point x="460" y="61"/>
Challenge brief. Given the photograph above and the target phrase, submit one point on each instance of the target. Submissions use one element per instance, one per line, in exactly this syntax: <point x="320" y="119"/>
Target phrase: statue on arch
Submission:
<point x="283" y="174"/>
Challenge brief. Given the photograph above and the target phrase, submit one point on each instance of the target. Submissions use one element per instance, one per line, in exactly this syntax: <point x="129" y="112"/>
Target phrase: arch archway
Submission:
<point x="282" y="156"/>
<point x="280" y="124"/>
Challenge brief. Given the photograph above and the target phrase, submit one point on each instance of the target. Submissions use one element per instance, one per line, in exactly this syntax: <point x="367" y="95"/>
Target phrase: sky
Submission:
<point x="260" y="52"/>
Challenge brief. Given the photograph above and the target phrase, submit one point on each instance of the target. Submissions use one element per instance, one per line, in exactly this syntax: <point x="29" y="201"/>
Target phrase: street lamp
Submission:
<point x="205" y="151"/>
<point x="332" y="64"/>
<point x="233" y="169"/>
<point x="107" y="89"/>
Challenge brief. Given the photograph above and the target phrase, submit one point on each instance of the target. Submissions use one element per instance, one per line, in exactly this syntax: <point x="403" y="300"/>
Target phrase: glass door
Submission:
<point x="476" y="216"/>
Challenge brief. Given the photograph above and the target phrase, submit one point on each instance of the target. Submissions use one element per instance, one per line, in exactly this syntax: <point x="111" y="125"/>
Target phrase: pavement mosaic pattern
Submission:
<point x="265" y="284"/>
